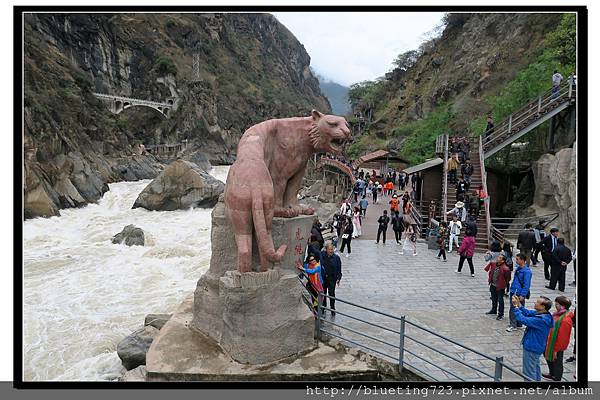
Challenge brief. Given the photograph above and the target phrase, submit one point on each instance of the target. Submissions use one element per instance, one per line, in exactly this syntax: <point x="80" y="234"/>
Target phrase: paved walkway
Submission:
<point x="374" y="211"/>
<point x="430" y="293"/>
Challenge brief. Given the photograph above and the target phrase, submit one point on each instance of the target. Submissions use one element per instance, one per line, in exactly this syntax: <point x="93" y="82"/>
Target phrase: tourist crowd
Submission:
<point x="546" y="333"/>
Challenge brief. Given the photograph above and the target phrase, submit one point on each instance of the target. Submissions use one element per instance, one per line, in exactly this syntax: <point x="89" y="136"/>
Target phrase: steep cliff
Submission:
<point x="556" y="189"/>
<point x="250" y="68"/>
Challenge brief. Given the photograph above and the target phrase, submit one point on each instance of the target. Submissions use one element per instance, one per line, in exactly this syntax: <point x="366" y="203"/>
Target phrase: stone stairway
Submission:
<point x="481" y="241"/>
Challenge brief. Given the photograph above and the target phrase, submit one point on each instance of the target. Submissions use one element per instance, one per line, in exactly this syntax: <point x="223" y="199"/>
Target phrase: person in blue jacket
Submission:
<point x="519" y="286"/>
<point x="538" y="322"/>
<point x="315" y="281"/>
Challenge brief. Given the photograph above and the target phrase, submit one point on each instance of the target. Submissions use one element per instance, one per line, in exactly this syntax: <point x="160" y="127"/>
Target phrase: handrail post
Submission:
<point x="445" y="188"/>
<point x="510" y="123"/>
<point x="319" y="310"/>
<point x="539" y="110"/>
<point x="486" y="202"/>
<point x="570" y="89"/>
<point x="401" y="351"/>
<point x="498" y="370"/>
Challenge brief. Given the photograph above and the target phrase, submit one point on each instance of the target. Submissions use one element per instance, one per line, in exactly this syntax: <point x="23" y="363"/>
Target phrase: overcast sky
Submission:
<point x="351" y="47"/>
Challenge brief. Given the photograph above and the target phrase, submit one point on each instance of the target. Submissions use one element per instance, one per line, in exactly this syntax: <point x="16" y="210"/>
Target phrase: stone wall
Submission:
<point x="555" y="178"/>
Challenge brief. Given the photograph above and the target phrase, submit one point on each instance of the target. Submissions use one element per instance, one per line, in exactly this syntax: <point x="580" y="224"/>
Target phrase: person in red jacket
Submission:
<point x="466" y="250"/>
<point x="558" y="338"/>
<point x="498" y="276"/>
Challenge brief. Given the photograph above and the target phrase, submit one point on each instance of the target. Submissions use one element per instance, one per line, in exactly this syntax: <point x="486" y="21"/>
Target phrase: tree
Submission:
<point x="164" y="66"/>
<point x="406" y="60"/>
<point x="562" y="42"/>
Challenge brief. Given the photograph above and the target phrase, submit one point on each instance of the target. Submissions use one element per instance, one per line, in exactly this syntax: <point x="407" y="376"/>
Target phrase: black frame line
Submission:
<point x="582" y="206"/>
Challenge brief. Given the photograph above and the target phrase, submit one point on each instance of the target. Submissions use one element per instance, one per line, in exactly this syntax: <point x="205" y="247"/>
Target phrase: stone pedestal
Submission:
<point x="264" y="317"/>
<point x="179" y="353"/>
<point x="291" y="231"/>
<point x="256" y="317"/>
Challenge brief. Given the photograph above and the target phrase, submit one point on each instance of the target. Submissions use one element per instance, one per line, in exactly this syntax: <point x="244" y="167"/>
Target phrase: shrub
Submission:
<point x="165" y="65"/>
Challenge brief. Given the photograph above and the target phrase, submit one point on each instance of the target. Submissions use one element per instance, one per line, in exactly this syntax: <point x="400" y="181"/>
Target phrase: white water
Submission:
<point x="82" y="294"/>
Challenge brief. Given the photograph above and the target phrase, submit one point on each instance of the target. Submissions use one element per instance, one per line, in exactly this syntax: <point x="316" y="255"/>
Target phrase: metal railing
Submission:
<point x="166" y="150"/>
<point x="418" y="218"/>
<point x="532" y="114"/>
<point x="423" y="208"/>
<point x="339" y="165"/>
<point x="445" y="186"/>
<point x="486" y="201"/>
<point x="497" y="234"/>
<point x="407" y="344"/>
<point x="440" y="143"/>
<point x="511" y="227"/>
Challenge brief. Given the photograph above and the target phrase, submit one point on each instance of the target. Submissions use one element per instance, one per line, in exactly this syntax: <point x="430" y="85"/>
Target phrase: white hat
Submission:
<point x="459" y="204"/>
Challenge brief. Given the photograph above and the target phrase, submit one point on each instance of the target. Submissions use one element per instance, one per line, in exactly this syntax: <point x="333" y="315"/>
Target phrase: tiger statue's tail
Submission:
<point x="263" y="238"/>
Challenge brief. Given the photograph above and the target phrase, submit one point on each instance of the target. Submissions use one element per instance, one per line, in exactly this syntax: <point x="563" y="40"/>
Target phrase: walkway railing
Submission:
<point x="418" y="218"/>
<point x="403" y="341"/>
<point x="486" y="201"/>
<point x="165" y="149"/>
<point x="440" y="143"/>
<point x="445" y="185"/>
<point x="535" y="112"/>
<point x="339" y="165"/>
<point x="509" y="228"/>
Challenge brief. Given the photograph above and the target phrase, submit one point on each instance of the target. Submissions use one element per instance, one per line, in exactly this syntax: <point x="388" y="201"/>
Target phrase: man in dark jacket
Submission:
<point x="331" y="272"/>
<point x="467" y="170"/>
<point x="548" y="246"/>
<point x="383" y="222"/>
<point x="398" y="226"/>
<point x="315" y="233"/>
<point x="526" y="242"/>
<point x="539" y="234"/>
<point x="560" y="258"/>
<point x="538" y="322"/>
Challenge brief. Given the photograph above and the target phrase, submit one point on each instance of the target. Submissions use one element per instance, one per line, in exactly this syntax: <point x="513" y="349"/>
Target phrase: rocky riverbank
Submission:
<point x="132" y="350"/>
<point x="74" y="146"/>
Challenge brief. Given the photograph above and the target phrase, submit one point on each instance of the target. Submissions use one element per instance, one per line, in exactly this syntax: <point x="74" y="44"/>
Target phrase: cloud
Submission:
<point x="350" y="47"/>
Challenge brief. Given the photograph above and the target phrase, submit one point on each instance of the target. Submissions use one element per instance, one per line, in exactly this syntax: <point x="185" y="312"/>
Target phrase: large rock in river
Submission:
<point x="131" y="235"/>
<point x="180" y="186"/>
<point x="132" y="350"/>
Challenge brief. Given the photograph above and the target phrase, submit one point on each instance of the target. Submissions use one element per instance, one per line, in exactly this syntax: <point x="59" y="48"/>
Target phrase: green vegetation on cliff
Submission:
<point x="480" y="64"/>
<point x="558" y="52"/>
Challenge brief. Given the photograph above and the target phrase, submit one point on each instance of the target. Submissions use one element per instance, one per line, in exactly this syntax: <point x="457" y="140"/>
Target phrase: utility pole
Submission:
<point x="196" y="66"/>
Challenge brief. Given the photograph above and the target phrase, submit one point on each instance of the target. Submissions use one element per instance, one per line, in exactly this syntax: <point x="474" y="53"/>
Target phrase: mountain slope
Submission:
<point x="250" y="68"/>
<point x="445" y="88"/>
<point x="336" y="94"/>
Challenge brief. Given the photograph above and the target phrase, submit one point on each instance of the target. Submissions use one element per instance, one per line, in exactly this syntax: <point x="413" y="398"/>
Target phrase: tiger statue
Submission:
<point x="265" y="179"/>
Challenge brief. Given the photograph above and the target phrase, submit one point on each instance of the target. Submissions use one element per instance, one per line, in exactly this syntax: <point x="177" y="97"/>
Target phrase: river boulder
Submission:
<point x="180" y="186"/>
<point x="132" y="350"/>
<point x="131" y="235"/>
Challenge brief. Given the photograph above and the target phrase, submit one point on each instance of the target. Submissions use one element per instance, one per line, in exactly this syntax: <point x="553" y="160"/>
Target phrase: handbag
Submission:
<point x="345" y="236"/>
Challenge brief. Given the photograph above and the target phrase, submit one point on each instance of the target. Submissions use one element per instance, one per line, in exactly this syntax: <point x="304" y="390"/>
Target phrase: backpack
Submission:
<point x="508" y="260"/>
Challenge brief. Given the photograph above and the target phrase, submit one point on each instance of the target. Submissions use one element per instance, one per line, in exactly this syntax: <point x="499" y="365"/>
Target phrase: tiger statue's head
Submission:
<point x="329" y="133"/>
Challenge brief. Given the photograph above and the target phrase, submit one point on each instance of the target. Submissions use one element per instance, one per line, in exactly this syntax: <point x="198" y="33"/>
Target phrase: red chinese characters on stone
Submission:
<point x="298" y="250"/>
<point x="299" y="235"/>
